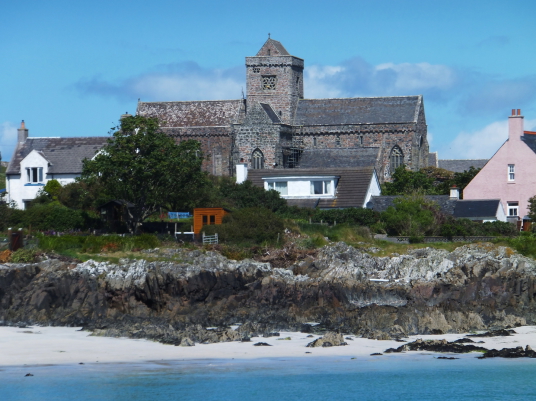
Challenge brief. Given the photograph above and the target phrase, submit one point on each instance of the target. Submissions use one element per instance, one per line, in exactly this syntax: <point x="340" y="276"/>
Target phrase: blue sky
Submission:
<point x="71" y="68"/>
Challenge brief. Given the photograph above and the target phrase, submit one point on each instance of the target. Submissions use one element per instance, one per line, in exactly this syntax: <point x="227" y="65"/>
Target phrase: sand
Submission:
<point x="68" y="345"/>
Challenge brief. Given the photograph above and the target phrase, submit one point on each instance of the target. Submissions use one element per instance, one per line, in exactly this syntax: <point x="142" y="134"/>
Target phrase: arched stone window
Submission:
<point x="396" y="159"/>
<point x="257" y="159"/>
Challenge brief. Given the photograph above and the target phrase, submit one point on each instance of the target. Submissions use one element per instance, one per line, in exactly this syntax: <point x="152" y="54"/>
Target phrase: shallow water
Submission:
<point x="388" y="377"/>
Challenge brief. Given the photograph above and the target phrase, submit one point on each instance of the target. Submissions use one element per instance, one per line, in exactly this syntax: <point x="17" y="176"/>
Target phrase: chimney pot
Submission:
<point x="22" y="133"/>
<point x="513" y="112"/>
<point x="518" y="112"/>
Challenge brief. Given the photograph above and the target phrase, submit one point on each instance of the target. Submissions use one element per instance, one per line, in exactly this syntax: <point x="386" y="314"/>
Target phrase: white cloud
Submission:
<point x="420" y="76"/>
<point x="357" y="77"/>
<point x="8" y="140"/>
<point x="183" y="81"/>
<point x="481" y="144"/>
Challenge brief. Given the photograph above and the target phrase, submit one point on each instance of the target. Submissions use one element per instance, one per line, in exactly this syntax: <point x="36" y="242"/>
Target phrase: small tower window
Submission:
<point x="338" y="140"/>
<point x="396" y="159"/>
<point x="269" y="82"/>
<point x="256" y="70"/>
<point x="257" y="160"/>
<point x="361" y="140"/>
<point x="314" y="141"/>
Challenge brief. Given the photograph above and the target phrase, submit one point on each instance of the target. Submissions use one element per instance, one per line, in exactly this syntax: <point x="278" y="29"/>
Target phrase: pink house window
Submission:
<point x="511" y="172"/>
<point x="513" y="208"/>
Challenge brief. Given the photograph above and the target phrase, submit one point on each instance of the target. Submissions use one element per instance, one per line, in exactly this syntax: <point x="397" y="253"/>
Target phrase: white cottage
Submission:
<point x="38" y="160"/>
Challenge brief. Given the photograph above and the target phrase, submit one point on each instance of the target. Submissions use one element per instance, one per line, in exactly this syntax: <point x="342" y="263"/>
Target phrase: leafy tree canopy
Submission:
<point x="144" y="166"/>
<point x="427" y="180"/>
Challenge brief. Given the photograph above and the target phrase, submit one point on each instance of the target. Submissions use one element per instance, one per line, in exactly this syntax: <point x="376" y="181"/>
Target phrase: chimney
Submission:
<point x="515" y="125"/>
<point x="241" y="172"/>
<point x="454" y="192"/>
<point x="22" y="133"/>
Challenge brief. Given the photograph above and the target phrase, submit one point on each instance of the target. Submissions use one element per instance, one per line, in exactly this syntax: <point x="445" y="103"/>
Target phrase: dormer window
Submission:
<point x="321" y="187"/>
<point x="34" y="175"/>
<point x="269" y="82"/>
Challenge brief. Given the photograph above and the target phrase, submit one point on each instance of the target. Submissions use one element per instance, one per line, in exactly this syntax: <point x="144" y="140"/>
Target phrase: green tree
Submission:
<point x="413" y="215"/>
<point x="143" y="165"/>
<point x="405" y="181"/>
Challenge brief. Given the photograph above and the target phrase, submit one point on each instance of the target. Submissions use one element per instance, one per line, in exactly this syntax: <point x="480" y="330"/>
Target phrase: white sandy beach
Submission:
<point x="68" y="345"/>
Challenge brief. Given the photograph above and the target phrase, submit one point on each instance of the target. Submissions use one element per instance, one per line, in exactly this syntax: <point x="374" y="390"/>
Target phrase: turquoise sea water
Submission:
<point x="393" y="377"/>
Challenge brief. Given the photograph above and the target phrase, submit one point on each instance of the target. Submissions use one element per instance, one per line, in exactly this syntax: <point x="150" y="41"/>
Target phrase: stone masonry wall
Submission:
<point x="289" y="85"/>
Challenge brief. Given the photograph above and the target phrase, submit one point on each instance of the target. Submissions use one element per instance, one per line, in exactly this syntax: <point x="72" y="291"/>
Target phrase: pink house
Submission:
<point x="510" y="174"/>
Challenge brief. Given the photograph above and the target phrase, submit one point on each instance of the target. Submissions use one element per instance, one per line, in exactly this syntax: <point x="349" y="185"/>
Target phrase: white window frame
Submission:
<point x="279" y="186"/>
<point x="511" y="172"/>
<point x="513" y="209"/>
<point x="34" y="175"/>
<point x="326" y="187"/>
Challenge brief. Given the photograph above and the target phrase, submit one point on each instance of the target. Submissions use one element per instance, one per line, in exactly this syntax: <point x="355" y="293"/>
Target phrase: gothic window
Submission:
<point x="421" y="142"/>
<point x="314" y="140"/>
<point x="257" y="160"/>
<point x="396" y="159"/>
<point x="256" y="70"/>
<point x="297" y="82"/>
<point x="268" y="82"/>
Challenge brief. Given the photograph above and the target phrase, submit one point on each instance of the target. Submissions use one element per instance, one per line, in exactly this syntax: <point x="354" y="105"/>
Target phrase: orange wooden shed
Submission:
<point x="204" y="216"/>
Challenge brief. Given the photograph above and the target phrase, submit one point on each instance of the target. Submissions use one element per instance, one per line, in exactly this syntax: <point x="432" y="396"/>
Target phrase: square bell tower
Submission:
<point x="275" y="77"/>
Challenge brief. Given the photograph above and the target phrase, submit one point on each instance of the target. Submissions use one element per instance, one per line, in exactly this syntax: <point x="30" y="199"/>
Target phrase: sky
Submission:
<point x="71" y="68"/>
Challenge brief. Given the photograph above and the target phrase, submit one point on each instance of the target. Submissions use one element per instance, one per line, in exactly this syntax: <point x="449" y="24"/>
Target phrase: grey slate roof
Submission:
<point x="65" y="155"/>
<point x="459" y="208"/>
<point x="339" y="157"/>
<point x="445" y="202"/>
<point x="203" y="113"/>
<point x="432" y="159"/>
<point x="461" y="165"/>
<point x="275" y="44"/>
<point x="361" y="110"/>
<point x="271" y="113"/>
<point x="530" y="140"/>
<point x="351" y="189"/>
<point x="475" y="208"/>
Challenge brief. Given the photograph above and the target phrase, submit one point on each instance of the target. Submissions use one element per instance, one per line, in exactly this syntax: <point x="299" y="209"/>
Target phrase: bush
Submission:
<point x="96" y="244"/>
<point x="249" y="225"/>
<point x="23" y="256"/>
<point x="52" y="216"/>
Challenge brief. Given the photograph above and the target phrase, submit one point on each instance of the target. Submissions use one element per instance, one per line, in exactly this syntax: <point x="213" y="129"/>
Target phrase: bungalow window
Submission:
<point x="513" y="208"/>
<point x="320" y="187"/>
<point x="511" y="172"/>
<point x="34" y="174"/>
<point x="279" y="186"/>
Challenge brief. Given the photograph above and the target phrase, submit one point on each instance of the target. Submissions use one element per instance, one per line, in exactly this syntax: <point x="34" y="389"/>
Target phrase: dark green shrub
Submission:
<point x="52" y="216"/>
<point x="96" y="244"/>
<point x="249" y="225"/>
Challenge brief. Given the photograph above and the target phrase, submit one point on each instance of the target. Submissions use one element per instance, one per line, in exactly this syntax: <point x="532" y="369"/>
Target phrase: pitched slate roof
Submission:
<point x="272" y="44"/>
<point x="530" y="139"/>
<point x="65" y="155"/>
<point x="204" y="113"/>
<point x="475" y="208"/>
<point x="459" y="208"/>
<point x="461" y="165"/>
<point x="360" y="110"/>
<point x="351" y="189"/>
<point x="271" y="113"/>
<point x="339" y="157"/>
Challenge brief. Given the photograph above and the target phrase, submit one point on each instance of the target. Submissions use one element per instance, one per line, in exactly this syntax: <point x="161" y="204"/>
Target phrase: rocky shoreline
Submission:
<point x="207" y="298"/>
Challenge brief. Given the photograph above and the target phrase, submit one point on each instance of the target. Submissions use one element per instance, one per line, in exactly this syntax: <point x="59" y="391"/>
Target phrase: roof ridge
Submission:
<point x="192" y="101"/>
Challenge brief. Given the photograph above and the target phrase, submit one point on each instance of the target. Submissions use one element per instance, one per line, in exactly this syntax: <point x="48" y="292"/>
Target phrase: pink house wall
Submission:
<point x="493" y="182"/>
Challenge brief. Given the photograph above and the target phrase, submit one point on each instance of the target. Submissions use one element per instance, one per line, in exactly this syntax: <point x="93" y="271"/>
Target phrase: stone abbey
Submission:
<point x="274" y="127"/>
